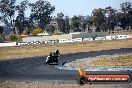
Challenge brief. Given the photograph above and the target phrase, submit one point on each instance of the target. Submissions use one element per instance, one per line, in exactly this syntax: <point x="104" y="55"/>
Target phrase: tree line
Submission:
<point x="103" y="19"/>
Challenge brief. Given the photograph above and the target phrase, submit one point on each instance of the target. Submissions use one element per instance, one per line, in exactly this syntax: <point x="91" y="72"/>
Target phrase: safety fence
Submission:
<point x="116" y="37"/>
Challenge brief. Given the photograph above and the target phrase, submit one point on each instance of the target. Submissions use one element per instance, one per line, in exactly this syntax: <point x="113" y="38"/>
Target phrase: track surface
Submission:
<point x="35" y="68"/>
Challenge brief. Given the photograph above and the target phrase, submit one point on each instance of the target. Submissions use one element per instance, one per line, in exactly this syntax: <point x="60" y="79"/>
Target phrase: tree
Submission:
<point x="124" y="15"/>
<point x="21" y="22"/>
<point x="40" y="12"/>
<point x="7" y="13"/>
<point x="67" y="26"/>
<point x="82" y="23"/>
<point x="122" y="20"/>
<point x="60" y="22"/>
<point x="129" y="17"/>
<point x="98" y="18"/>
<point x="89" y="23"/>
<point x="111" y="18"/>
<point x="1" y="30"/>
<point x="85" y="22"/>
<point x="75" y="23"/>
<point x="125" y="7"/>
<point x="50" y="28"/>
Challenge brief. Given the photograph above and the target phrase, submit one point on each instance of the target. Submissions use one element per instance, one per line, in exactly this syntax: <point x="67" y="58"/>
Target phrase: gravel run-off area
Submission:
<point x="37" y="84"/>
<point x="112" y="61"/>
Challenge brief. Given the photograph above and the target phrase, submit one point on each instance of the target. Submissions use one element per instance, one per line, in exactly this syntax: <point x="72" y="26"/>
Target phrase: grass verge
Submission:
<point x="115" y="61"/>
<point x="17" y="52"/>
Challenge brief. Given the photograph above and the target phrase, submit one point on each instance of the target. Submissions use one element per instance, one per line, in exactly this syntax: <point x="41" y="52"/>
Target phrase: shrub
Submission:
<point x="56" y="32"/>
<point x="13" y="37"/>
<point x="36" y="31"/>
<point x="20" y="37"/>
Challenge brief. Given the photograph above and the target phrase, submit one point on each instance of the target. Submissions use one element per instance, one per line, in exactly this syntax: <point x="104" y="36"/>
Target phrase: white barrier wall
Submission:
<point x="117" y="37"/>
<point x="87" y="39"/>
<point x="120" y="37"/>
<point x="79" y="39"/>
<point x="46" y="38"/>
<point x="51" y="41"/>
<point x="130" y="36"/>
<point x="70" y="40"/>
<point x="100" y="38"/>
<point x="7" y="44"/>
<point x="109" y="37"/>
<point x="22" y="43"/>
<point x="67" y="40"/>
<point x="64" y="40"/>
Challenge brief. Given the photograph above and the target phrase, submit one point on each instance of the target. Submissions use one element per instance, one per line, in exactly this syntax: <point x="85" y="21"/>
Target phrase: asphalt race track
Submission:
<point x="35" y="68"/>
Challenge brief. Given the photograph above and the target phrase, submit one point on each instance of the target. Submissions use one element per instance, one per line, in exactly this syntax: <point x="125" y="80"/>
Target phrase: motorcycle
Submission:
<point x="53" y="57"/>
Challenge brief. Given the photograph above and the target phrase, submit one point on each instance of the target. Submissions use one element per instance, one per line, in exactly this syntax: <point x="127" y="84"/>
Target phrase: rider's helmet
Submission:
<point x="50" y="54"/>
<point x="57" y="51"/>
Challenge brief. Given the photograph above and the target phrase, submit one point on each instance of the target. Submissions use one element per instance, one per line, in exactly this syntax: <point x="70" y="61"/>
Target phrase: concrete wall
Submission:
<point x="65" y="40"/>
<point x="65" y="36"/>
<point x="87" y="35"/>
<point x="7" y="44"/>
<point x="46" y="38"/>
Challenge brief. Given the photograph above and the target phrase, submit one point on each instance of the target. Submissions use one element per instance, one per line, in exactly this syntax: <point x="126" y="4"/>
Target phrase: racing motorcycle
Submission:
<point x="52" y="57"/>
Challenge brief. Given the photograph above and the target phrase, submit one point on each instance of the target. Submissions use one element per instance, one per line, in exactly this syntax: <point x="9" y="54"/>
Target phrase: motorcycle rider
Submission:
<point x="57" y="53"/>
<point x="53" y="57"/>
